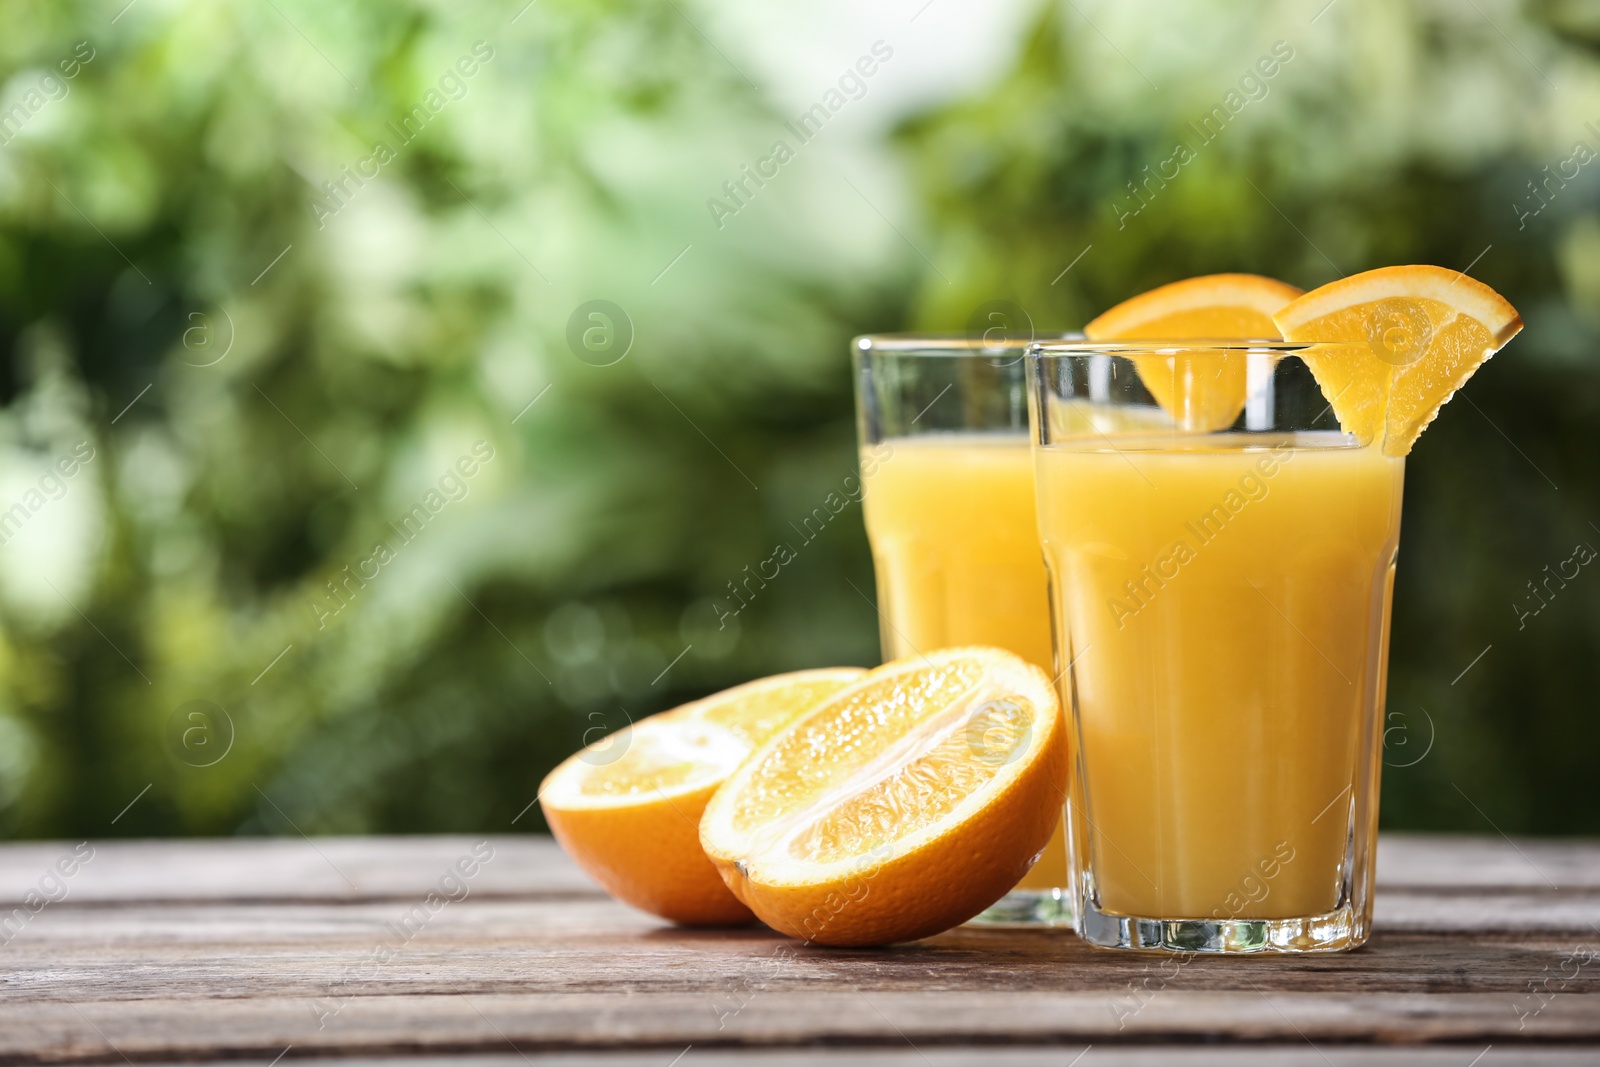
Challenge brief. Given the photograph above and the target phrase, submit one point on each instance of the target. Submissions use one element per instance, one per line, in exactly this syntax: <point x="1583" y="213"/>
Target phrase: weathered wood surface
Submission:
<point x="168" y="951"/>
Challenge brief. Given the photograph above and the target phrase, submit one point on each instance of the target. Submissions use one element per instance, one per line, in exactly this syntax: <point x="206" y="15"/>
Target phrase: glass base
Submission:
<point x="1028" y="907"/>
<point x="1338" y="931"/>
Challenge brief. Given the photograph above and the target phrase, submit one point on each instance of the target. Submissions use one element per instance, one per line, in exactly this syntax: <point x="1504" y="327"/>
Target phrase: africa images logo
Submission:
<point x="851" y="85"/>
<point x="451" y="85"/>
<point x="1253" y="85"/>
<point x="453" y="487"/>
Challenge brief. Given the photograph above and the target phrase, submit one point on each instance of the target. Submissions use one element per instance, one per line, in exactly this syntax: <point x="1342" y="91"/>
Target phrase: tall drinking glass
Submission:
<point x="950" y="514"/>
<point x="1222" y="597"/>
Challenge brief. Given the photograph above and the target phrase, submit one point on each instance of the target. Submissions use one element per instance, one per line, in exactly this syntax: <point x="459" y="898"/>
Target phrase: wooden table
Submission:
<point x="333" y="948"/>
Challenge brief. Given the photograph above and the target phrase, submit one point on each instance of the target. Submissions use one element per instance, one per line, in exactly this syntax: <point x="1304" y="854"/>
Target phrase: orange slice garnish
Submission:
<point x="1427" y="330"/>
<point x="903" y="806"/>
<point x="627" y="807"/>
<point x="1200" y="391"/>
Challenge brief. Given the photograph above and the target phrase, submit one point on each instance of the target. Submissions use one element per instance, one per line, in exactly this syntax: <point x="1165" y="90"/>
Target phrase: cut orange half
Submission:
<point x="1199" y="392"/>
<point x="627" y="808"/>
<point x="1427" y="330"/>
<point x="903" y="806"/>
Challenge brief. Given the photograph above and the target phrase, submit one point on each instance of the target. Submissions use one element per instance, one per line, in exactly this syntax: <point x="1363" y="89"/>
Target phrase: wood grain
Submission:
<point x="285" y="868"/>
<point x="1070" y="1055"/>
<point x="355" y="868"/>
<point x="167" y="951"/>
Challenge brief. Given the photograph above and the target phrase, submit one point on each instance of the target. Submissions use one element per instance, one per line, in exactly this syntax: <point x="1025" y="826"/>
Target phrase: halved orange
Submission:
<point x="627" y="807"/>
<point x="1199" y="392"/>
<point x="903" y="806"/>
<point x="1427" y="330"/>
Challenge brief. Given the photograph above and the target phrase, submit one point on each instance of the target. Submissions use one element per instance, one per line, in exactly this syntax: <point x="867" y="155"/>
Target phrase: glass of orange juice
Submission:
<point x="950" y="514"/>
<point x="1221" y="603"/>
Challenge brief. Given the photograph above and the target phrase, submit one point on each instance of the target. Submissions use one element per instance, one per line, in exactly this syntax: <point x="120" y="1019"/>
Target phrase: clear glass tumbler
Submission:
<point x="1221" y="563"/>
<point x="950" y="515"/>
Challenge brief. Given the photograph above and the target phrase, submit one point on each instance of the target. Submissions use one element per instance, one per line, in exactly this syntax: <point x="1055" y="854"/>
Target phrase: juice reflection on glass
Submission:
<point x="1224" y="599"/>
<point x="949" y="511"/>
<point x="1263" y="618"/>
<point x="955" y="545"/>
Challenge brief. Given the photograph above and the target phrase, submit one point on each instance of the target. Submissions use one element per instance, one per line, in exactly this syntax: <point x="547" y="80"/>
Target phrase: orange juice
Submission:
<point x="955" y="545"/>
<point x="1228" y="626"/>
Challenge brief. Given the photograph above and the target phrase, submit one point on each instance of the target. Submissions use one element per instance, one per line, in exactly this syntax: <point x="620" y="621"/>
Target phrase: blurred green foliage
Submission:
<point x="1396" y="133"/>
<point x="273" y="375"/>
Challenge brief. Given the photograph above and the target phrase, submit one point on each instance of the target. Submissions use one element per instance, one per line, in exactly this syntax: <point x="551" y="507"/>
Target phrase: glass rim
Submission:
<point x="944" y="344"/>
<point x="1190" y="345"/>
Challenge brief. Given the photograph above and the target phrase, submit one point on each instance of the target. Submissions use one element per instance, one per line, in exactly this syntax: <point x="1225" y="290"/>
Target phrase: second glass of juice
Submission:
<point x="1222" y="563"/>
<point x="949" y="510"/>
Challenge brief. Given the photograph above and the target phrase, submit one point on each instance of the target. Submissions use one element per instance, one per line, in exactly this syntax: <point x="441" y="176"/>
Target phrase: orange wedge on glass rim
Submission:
<point x="1200" y="393"/>
<point x="1427" y="330"/>
<point x="903" y="806"/>
<point x="627" y="807"/>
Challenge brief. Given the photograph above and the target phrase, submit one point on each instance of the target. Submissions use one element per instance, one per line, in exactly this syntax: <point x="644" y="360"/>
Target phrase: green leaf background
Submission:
<point x="268" y="385"/>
